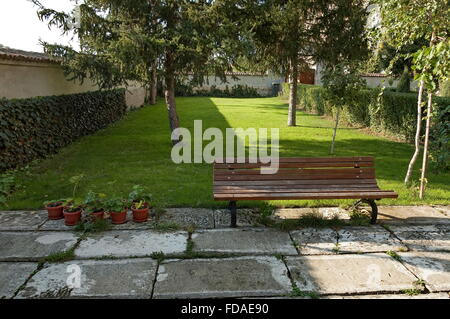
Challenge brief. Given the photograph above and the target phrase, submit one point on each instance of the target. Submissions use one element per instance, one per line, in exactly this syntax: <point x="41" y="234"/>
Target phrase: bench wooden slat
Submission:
<point x="301" y="160"/>
<point x="300" y="186"/>
<point x="284" y="196"/>
<point x="297" y="182"/>
<point x="292" y="177"/>
<point x="301" y="171"/>
<point x="297" y="190"/>
<point x="294" y="165"/>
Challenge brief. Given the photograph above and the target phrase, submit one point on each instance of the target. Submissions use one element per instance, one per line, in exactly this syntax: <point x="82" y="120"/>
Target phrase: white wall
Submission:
<point x="20" y="79"/>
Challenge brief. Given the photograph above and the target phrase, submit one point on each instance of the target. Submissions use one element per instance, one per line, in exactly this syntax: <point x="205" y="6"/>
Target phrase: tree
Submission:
<point x="403" y="23"/>
<point x="132" y="40"/>
<point x="343" y="83"/>
<point x="290" y="34"/>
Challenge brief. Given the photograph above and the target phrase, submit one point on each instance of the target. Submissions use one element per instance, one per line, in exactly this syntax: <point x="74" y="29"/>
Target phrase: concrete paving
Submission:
<point x="323" y="212"/>
<point x="22" y="220"/>
<point x="424" y="238"/>
<point x="126" y="278"/>
<point x="245" y="218"/>
<point x="231" y="277"/>
<point x="313" y="241"/>
<point x="131" y="244"/>
<point x="198" y="217"/>
<point x="367" y="239"/>
<point x="34" y="245"/>
<point x="347" y="274"/>
<point x="416" y="215"/>
<point x="432" y="267"/>
<point x="14" y="275"/>
<point x="248" y="241"/>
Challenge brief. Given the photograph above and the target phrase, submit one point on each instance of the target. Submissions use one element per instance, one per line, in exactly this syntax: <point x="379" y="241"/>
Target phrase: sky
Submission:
<point x="20" y="27"/>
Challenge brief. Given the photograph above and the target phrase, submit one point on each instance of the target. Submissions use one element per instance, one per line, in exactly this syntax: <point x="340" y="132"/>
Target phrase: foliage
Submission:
<point x="139" y="197"/>
<point x="37" y="127"/>
<point x="404" y="84"/>
<point x="440" y="138"/>
<point x="383" y="111"/>
<point x="94" y="202"/>
<point x="237" y="91"/>
<point x="116" y="205"/>
<point x="445" y="88"/>
<point x="7" y="186"/>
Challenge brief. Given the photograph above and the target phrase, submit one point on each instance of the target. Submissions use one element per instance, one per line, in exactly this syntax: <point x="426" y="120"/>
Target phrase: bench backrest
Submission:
<point x="326" y="170"/>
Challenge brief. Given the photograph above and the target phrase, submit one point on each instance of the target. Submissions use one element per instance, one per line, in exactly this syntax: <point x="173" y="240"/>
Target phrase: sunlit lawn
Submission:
<point x="137" y="150"/>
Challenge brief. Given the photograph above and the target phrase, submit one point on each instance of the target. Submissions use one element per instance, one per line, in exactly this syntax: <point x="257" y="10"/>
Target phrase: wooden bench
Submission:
<point x="299" y="178"/>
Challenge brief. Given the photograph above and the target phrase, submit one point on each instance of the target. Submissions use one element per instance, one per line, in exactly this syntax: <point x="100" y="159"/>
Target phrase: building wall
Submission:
<point x="29" y="79"/>
<point x="372" y="81"/>
<point x="262" y="83"/>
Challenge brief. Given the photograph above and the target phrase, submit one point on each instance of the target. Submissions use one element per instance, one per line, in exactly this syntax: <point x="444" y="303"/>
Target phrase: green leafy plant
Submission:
<point x="94" y="202"/>
<point x="73" y="205"/>
<point x="139" y="197"/>
<point x="37" y="127"/>
<point x="116" y="205"/>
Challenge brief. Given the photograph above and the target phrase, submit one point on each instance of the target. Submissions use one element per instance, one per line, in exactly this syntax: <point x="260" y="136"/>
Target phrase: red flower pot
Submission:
<point x="99" y="215"/>
<point x="55" y="213"/>
<point x="72" y="218"/>
<point x="140" y="215"/>
<point x="118" y="218"/>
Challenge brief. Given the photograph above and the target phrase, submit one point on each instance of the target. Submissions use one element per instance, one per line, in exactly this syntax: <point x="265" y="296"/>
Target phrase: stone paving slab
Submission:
<point x="394" y="296"/>
<point x="244" y="241"/>
<point x="221" y="278"/>
<point x="198" y="217"/>
<point x="14" y="275"/>
<point x="245" y="218"/>
<point x="131" y="243"/>
<point x="22" y="220"/>
<point x="354" y="239"/>
<point x="443" y="209"/>
<point x="315" y="241"/>
<point x="349" y="274"/>
<point x="56" y="225"/>
<point x="424" y="238"/>
<point x="125" y="278"/>
<point x="322" y="212"/>
<point x="433" y="267"/>
<point x="34" y="245"/>
<point x="414" y="215"/>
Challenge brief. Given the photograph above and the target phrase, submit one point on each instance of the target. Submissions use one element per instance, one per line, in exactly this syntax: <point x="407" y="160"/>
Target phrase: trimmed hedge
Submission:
<point x="36" y="127"/>
<point x="391" y="112"/>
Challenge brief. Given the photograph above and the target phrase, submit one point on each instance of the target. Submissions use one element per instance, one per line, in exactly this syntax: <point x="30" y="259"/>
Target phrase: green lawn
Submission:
<point x="137" y="149"/>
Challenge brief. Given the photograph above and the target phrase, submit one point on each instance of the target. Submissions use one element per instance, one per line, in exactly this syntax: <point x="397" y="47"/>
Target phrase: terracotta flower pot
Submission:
<point x="99" y="215"/>
<point x="140" y="215"/>
<point x="72" y="218"/>
<point x="118" y="218"/>
<point x="55" y="213"/>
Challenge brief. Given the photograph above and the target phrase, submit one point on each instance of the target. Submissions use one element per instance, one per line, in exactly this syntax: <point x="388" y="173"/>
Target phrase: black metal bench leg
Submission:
<point x="374" y="213"/>
<point x="233" y="212"/>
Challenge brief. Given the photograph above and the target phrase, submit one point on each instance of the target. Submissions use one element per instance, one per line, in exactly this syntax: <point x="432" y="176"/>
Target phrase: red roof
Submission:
<point x="27" y="56"/>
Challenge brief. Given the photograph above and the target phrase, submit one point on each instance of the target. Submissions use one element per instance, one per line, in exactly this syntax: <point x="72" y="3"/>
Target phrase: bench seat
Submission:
<point x="299" y="178"/>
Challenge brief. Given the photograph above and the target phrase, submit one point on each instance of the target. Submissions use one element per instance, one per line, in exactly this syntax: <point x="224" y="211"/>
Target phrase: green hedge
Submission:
<point x="36" y="127"/>
<point x="392" y="112"/>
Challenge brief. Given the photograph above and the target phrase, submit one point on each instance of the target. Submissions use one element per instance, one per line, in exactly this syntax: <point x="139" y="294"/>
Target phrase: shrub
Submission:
<point x="404" y="84"/>
<point x="440" y="139"/>
<point x="383" y="111"/>
<point x="237" y="91"/>
<point x="36" y="127"/>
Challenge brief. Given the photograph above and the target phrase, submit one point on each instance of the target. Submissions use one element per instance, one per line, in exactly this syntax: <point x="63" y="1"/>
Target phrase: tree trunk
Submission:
<point x="335" y="130"/>
<point x="419" y="128"/>
<point x="423" y="181"/>
<point x="169" y="93"/>
<point x="154" y="86"/>
<point x="292" y="116"/>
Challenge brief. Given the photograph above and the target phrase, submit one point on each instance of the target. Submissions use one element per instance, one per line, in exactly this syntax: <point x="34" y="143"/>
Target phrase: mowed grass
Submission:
<point x="136" y="150"/>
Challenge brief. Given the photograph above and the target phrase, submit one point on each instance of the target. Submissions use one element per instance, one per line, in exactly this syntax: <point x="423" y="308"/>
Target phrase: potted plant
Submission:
<point x="140" y="204"/>
<point x="72" y="212"/>
<point x="94" y="205"/>
<point x="117" y="209"/>
<point x="55" y="209"/>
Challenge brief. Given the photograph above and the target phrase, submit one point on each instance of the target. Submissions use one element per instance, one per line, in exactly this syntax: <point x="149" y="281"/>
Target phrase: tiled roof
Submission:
<point x="27" y="56"/>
